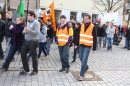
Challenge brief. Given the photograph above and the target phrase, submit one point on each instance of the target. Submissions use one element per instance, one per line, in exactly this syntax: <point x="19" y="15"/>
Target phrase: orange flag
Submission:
<point x="49" y="13"/>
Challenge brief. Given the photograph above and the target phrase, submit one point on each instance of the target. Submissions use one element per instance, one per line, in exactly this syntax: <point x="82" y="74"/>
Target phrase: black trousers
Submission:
<point x="29" y="46"/>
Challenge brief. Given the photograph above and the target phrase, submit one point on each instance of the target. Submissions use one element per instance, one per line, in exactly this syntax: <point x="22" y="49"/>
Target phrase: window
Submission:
<point x="73" y="15"/>
<point x="83" y="14"/>
<point x="94" y="17"/>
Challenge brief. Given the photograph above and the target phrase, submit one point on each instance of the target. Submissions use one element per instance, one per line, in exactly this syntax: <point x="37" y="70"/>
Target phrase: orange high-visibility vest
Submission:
<point x="63" y="36"/>
<point x="86" y="37"/>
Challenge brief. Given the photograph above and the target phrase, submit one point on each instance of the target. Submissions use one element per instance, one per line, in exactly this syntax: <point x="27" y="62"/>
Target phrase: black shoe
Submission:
<point x="2" y="57"/>
<point x="128" y="48"/>
<point x="33" y="73"/>
<point x="124" y="47"/>
<point x="67" y="70"/>
<point x="13" y="59"/>
<point x="73" y="61"/>
<point x="4" y="70"/>
<point x="61" y="70"/>
<point x="23" y="72"/>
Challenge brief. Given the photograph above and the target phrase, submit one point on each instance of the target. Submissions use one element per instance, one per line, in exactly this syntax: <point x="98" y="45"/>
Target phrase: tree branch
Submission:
<point x="98" y="9"/>
<point x="104" y="4"/>
<point x="108" y="2"/>
<point x="116" y="2"/>
<point x="119" y="7"/>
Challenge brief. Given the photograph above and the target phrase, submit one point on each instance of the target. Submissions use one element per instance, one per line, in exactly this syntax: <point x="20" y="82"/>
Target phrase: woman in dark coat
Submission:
<point x="128" y="37"/>
<point x="17" y="40"/>
<point x="100" y="35"/>
<point x="75" y="41"/>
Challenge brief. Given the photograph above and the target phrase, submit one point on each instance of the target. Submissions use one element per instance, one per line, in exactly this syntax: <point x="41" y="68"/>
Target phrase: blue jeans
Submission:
<point x="126" y="42"/>
<point x="83" y="54"/>
<point x="42" y="48"/>
<point x="109" y="43"/>
<point x="10" y="56"/>
<point x="64" y="56"/>
<point x="1" y="50"/>
<point x="48" y="44"/>
<point x="7" y="46"/>
<point x="105" y="40"/>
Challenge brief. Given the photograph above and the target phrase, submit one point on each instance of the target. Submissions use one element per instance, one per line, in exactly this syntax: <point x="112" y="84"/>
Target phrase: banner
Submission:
<point x="49" y="13"/>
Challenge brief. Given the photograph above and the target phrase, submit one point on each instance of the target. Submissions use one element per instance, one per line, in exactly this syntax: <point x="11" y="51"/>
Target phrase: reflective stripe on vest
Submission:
<point x="86" y="37"/>
<point x="62" y="36"/>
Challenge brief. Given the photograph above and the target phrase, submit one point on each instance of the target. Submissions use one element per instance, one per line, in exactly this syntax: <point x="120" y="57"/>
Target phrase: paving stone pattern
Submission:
<point x="112" y="66"/>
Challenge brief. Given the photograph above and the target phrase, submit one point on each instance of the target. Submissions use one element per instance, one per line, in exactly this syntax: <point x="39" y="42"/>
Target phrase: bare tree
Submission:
<point x="108" y="5"/>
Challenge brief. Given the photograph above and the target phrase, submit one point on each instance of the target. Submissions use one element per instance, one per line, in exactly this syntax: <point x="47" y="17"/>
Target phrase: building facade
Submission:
<point x="77" y="9"/>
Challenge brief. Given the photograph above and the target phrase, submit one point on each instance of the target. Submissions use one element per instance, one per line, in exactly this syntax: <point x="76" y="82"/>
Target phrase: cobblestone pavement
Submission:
<point x="112" y="66"/>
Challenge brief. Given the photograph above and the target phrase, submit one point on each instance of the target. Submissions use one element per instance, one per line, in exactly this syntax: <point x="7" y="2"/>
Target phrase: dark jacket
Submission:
<point x="8" y="23"/>
<point x="100" y="31"/>
<point x="17" y="38"/>
<point x="2" y="28"/>
<point x="128" y="34"/>
<point x="94" y="34"/>
<point x="76" y="32"/>
<point x="104" y="30"/>
<point x="50" y="31"/>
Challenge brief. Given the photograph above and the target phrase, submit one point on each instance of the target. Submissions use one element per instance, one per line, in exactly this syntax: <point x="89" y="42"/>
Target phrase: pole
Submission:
<point x="27" y="12"/>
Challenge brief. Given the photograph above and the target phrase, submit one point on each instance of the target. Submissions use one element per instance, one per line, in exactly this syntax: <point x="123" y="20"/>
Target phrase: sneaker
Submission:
<point x="33" y="73"/>
<point x="22" y="72"/>
<point x="124" y="47"/>
<point x="67" y="70"/>
<point x="81" y="78"/>
<point x="46" y="58"/>
<point x="61" y="70"/>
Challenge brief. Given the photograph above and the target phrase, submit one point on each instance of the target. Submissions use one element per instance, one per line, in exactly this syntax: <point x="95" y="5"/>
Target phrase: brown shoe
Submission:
<point x="46" y="58"/>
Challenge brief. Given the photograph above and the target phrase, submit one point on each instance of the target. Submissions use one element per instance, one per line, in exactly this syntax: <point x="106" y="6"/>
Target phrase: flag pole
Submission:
<point x="27" y="12"/>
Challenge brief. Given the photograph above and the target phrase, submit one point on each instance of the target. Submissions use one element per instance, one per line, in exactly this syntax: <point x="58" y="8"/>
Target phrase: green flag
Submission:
<point x="20" y="9"/>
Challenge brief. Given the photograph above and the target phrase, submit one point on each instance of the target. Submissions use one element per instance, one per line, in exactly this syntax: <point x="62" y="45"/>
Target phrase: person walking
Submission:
<point x="8" y="32"/>
<point x="64" y="37"/>
<point x="100" y="35"/>
<point x="110" y="35"/>
<point x="42" y="38"/>
<point x="2" y="31"/>
<point x="128" y="38"/>
<point x="105" y="34"/>
<point x="31" y="32"/>
<point x="75" y="40"/>
<point x="50" y="32"/>
<point x="87" y="38"/>
<point x="17" y="40"/>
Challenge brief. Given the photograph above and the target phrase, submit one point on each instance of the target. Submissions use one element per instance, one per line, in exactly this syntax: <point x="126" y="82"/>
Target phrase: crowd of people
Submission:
<point x="26" y="37"/>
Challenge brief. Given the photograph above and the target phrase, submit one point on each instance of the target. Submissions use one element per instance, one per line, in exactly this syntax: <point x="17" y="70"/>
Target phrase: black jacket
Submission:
<point x="128" y="34"/>
<point x="8" y="23"/>
<point x="100" y="31"/>
<point x="50" y="31"/>
<point x="76" y="32"/>
<point x="2" y="28"/>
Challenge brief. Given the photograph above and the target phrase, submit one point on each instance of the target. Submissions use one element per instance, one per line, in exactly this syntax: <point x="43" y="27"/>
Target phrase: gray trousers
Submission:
<point x="7" y="47"/>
